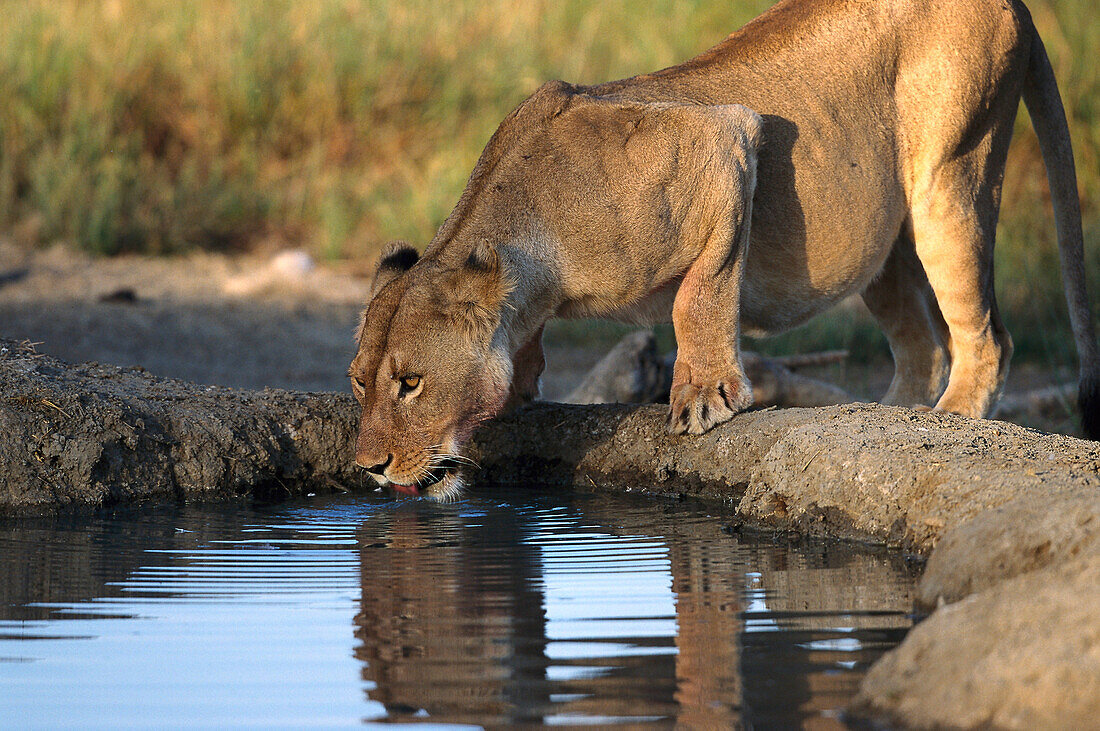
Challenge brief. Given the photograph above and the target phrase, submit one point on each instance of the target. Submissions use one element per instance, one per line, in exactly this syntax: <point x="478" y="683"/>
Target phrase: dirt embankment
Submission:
<point x="93" y="434"/>
<point x="1023" y="650"/>
<point x="87" y="435"/>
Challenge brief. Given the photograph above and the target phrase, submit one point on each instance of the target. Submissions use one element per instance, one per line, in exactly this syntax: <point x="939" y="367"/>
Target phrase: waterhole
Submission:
<point x="514" y="607"/>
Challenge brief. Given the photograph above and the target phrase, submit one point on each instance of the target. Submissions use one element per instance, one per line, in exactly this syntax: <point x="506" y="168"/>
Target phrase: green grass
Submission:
<point x="158" y="126"/>
<point x="162" y="126"/>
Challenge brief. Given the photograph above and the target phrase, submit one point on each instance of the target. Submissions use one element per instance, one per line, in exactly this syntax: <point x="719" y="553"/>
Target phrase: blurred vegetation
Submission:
<point x="158" y="126"/>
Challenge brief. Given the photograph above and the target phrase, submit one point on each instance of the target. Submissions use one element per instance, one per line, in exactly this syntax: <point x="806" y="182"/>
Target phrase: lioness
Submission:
<point x="828" y="147"/>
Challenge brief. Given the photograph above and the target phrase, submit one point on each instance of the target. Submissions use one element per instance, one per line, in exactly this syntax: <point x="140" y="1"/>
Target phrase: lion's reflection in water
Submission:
<point x="598" y="611"/>
<point x="452" y="617"/>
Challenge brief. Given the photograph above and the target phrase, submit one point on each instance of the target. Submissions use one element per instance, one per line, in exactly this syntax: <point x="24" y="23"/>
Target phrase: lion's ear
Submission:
<point x="397" y="258"/>
<point x="476" y="291"/>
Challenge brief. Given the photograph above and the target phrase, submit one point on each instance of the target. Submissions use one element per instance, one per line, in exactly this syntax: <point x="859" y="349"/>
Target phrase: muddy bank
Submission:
<point x="89" y="435"/>
<point x="859" y="471"/>
<point x="92" y="434"/>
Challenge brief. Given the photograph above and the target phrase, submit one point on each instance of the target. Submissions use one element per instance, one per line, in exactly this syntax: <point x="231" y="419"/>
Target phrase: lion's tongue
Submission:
<point x="407" y="489"/>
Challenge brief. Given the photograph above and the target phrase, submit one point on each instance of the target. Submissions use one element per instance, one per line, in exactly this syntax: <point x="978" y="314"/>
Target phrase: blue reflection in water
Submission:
<point x="535" y="608"/>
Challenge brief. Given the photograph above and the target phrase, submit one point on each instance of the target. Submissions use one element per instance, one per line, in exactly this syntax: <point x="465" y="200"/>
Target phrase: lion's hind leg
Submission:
<point x="905" y="307"/>
<point x="954" y="221"/>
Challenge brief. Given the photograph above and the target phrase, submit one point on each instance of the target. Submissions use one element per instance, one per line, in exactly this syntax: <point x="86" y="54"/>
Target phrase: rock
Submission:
<point x="290" y="268"/>
<point x="1024" y="654"/>
<point x="1056" y="399"/>
<point x="1015" y="642"/>
<point x="85" y="436"/>
<point x="1025" y="534"/>
<point x="631" y="373"/>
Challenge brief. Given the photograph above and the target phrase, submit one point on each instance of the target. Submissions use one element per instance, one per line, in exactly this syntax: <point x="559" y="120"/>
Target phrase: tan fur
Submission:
<point x="829" y="147"/>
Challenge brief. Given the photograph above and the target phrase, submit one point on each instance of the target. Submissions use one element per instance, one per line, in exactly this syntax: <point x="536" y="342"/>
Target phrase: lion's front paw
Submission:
<point x="697" y="408"/>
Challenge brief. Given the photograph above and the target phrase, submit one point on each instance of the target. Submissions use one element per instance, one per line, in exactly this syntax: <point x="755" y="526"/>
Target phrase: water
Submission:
<point x="509" y="608"/>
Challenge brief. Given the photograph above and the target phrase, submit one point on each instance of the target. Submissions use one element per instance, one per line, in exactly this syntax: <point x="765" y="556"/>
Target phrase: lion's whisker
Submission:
<point x="445" y="457"/>
<point x="464" y="460"/>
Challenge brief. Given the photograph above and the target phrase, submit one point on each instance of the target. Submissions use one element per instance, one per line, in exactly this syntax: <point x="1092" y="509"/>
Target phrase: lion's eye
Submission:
<point x="359" y="383"/>
<point x="409" y="383"/>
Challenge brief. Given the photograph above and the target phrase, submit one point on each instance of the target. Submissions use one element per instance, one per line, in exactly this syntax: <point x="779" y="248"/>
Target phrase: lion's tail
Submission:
<point x="1044" y="104"/>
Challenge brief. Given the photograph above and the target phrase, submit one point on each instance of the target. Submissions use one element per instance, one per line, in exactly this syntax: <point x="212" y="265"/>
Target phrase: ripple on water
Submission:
<point x="535" y="608"/>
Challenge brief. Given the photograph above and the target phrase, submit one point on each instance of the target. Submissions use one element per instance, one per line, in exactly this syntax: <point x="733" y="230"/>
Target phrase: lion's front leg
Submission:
<point x="527" y="366"/>
<point x="709" y="384"/>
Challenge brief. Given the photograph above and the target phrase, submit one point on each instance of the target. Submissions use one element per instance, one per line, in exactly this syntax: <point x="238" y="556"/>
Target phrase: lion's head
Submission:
<point x="430" y="367"/>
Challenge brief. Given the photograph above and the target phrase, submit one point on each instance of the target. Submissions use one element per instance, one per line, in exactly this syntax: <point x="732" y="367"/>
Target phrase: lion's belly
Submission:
<point x="772" y="304"/>
<point x="794" y="274"/>
<point x="828" y="208"/>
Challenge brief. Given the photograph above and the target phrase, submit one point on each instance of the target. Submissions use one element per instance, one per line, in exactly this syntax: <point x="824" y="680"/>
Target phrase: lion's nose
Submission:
<point x="377" y="469"/>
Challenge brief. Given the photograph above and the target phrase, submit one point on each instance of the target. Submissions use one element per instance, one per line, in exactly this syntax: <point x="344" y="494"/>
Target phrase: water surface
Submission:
<point x="509" y="608"/>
